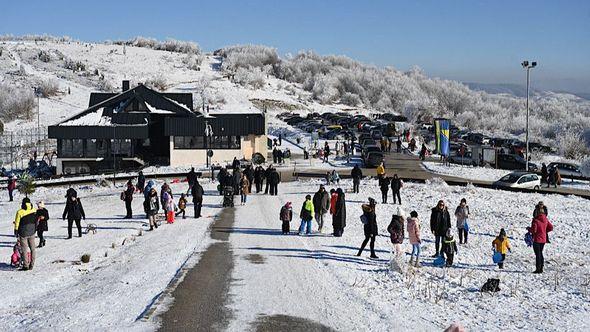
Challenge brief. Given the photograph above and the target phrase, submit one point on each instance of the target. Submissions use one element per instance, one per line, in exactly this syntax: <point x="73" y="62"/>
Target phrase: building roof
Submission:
<point x="105" y="109"/>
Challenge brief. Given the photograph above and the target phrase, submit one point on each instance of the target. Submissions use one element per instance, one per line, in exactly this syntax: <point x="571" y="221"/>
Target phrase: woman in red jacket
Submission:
<point x="539" y="229"/>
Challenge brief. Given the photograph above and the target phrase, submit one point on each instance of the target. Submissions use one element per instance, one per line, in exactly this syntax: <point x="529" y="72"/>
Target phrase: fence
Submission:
<point x="17" y="147"/>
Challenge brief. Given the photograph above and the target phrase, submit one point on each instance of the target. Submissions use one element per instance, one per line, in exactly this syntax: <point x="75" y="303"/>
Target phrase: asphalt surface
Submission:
<point x="200" y="299"/>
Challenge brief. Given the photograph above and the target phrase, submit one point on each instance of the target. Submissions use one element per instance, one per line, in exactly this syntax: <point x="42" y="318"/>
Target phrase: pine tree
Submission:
<point x="26" y="184"/>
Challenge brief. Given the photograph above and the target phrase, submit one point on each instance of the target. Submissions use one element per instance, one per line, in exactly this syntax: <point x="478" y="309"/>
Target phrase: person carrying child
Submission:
<point x="449" y="248"/>
<point x="286" y="215"/>
<point x="501" y="245"/>
<point x="182" y="205"/>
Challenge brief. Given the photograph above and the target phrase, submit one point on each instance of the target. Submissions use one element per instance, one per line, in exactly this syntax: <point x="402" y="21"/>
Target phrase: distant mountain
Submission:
<point x="496" y="88"/>
<point x="515" y="89"/>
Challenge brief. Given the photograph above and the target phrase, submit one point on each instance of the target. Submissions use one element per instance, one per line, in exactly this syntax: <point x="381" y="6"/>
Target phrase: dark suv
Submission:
<point x="514" y="162"/>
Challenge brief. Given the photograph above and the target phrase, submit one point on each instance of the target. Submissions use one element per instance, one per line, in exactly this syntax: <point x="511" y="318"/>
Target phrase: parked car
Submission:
<point x="519" y="180"/>
<point x="463" y="160"/>
<point x="373" y="159"/>
<point x="514" y="162"/>
<point x="566" y="169"/>
<point x="376" y="134"/>
<point x="368" y="149"/>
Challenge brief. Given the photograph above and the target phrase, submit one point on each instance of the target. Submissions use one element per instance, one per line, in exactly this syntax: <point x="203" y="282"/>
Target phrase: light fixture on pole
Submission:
<point x="527" y="65"/>
<point x="208" y="134"/>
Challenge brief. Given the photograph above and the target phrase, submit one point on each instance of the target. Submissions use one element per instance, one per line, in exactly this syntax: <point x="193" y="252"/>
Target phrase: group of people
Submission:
<point x="322" y="203"/>
<point x="550" y="176"/>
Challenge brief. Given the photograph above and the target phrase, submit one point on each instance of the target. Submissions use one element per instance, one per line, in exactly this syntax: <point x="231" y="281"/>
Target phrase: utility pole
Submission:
<point x="527" y="66"/>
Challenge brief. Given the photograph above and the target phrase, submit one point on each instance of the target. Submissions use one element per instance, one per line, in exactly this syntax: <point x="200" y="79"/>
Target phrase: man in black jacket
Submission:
<point x="128" y="198"/>
<point x="267" y="173"/>
<point x="191" y="178"/>
<point x="396" y="186"/>
<point x="197" y="193"/>
<point x="249" y="172"/>
<point x="356" y="174"/>
<point x="274" y="180"/>
<point x="440" y="222"/>
<point x="74" y="212"/>
<point x="258" y="178"/>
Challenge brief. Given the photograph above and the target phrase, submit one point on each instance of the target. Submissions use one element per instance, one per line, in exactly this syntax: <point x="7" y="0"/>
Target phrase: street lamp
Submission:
<point x="208" y="134"/>
<point x="38" y="95"/>
<point x="527" y="65"/>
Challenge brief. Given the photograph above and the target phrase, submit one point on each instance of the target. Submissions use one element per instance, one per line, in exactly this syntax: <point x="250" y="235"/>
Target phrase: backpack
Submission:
<point x="122" y="196"/>
<point x="528" y="239"/>
<point x="492" y="285"/>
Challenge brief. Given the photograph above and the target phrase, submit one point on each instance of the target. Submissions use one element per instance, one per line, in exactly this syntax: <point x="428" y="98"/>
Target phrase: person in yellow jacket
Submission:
<point x="502" y="245"/>
<point x="25" y="210"/>
<point x="306" y="215"/>
<point x="381" y="171"/>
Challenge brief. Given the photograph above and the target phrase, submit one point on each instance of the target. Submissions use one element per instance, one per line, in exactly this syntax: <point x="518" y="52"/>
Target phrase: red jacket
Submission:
<point x="540" y="227"/>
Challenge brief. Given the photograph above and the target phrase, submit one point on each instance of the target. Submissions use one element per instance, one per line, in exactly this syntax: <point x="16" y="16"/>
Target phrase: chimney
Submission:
<point x="125" y="85"/>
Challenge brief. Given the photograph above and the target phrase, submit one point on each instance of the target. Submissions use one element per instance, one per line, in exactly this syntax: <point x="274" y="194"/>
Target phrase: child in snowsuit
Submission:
<point x="286" y="215"/>
<point x="182" y="205"/>
<point x="449" y="248"/>
<point x="502" y="245"/>
<point x="42" y="218"/>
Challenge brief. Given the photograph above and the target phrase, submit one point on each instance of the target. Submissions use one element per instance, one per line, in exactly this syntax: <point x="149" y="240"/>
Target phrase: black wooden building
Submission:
<point x="140" y="126"/>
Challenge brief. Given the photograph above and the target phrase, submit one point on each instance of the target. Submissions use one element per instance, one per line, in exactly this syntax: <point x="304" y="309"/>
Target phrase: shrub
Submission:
<point x="26" y="185"/>
<point x="171" y="45"/>
<point x="48" y="88"/>
<point x="16" y="102"/>
<point x="44" y="56"/>
<point x="74" y="65"/>
<point x="572" y="146"/>
<point x="157" y="82"/>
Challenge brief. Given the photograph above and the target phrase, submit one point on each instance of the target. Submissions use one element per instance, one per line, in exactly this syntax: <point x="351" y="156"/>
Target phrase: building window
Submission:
<point x="77" y="148"/>
<point x="202" y="142"/>
<point x="121" y="147"/>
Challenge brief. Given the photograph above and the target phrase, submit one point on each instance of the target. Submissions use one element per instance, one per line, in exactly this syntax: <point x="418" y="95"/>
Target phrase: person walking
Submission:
<point x="423" y="152"/>
<point x="384" y="186"/>
<point x="326" y="152"/>
<point x="396" y="186"/>
<point x="26" y="219"/>
<point x="306" y="215"/>
<point x="128" y="198"/>
<point x="267" y="173"/>
<point x="551" y="180"/>
<point x="381" y="171"/>
<point x="371" y="230"/>
<point x="544" y="173"/>
<point x="334" y="177"/>
<point x="274" y="180"/>
<point x="398" y="145"/>
<point x="440" y="223"/>
<point x="462" y="215"/>
<point x="258" y="178"/>
<point x="321" y="203"/>
<point x="182" y="201"/>
<point x="191" y="177"/>
<point x="140" y="182"/>
<point x="151" y="206"/>
<point x="74" y="212"/>
<point x="249" y="172"/>
<point x="396" y="233"/>
<point x="244" y="189"/>
<point x="501" y="245"/>
<point x="356" y="175"/>
<point x="11" y="186"/>
<point x="197" y="193"/>
<point x="449" y="248"/>
<point x="286" y="215"/>
<point x="42" y="218"/>
<point x="168" y="206"/>
<point x="413" y="227"/>
<point x="339" y="216"/>
<point x="539" y="229"/>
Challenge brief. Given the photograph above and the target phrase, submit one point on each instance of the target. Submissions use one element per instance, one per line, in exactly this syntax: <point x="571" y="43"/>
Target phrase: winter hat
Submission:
<point x="288" y="204"/>
<point x="400" y="212"/>
<point x="414" y="214"/>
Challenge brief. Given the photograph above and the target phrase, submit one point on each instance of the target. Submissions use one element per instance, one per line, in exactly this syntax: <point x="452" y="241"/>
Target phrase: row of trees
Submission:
<point x="338" y="79"/>
<point x="171" y="45"/>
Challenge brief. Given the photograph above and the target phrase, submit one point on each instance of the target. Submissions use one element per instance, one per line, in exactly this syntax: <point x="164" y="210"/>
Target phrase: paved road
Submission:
<point x="200" y="300"/>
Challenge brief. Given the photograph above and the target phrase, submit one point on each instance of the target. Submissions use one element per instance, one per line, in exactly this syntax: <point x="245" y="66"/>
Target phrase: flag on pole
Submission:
<point x="442" y="136"/>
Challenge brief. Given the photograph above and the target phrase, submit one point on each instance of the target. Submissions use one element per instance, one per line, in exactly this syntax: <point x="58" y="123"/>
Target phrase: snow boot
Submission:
<point x="417" y="263"/>
<point x="411" y="260"/>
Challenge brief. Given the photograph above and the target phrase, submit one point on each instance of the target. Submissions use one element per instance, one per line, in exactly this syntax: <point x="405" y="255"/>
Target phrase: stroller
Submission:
<point x="228" y="196"/>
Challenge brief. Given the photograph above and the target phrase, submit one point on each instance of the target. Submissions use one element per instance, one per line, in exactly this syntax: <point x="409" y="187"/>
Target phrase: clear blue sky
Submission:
<point x="469" y="40"/>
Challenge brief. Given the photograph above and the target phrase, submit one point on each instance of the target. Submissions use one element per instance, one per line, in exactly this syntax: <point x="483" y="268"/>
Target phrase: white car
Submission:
<point x="519" y="180"/>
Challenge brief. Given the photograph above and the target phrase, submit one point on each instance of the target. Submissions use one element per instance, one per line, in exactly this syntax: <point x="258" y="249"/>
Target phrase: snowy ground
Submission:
<point x="120" y="281"/>
<point x="361" y="294"/>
